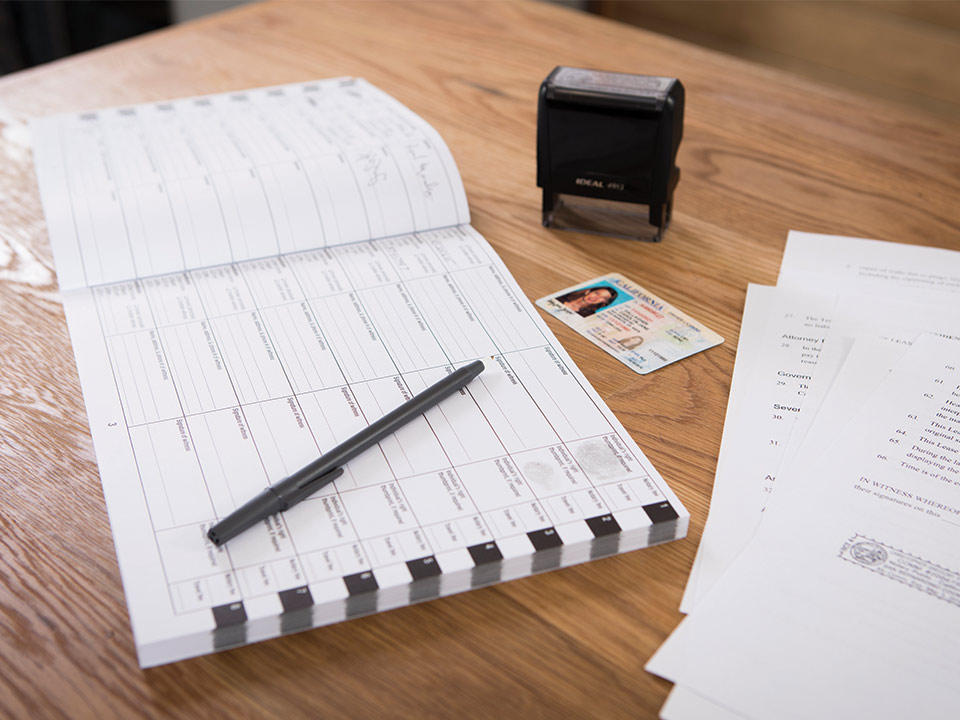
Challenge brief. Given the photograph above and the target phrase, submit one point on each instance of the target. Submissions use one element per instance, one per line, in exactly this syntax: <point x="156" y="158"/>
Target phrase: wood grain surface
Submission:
<point x="762" y="153"/>
<point x="899" y="50"/>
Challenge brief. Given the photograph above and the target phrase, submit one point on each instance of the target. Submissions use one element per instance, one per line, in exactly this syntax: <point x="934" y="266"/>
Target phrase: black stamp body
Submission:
<point x="606" y="151"/>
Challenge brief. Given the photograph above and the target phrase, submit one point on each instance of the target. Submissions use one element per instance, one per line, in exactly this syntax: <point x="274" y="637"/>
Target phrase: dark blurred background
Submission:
<point x="38" y="31"/>
<point x="903" y="51"/>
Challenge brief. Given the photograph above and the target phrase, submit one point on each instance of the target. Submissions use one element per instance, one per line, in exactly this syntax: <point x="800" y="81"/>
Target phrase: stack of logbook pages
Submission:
<point x="827" y="583"/>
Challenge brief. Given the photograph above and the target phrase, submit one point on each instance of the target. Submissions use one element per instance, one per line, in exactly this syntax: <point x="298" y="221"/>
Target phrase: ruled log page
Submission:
<point x="132" y="192"/>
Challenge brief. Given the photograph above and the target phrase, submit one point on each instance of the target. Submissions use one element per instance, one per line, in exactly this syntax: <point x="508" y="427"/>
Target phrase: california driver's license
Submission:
<point x="634" y="325"/>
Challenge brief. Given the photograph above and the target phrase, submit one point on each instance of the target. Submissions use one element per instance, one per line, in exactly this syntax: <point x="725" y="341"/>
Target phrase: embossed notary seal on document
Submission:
<point x="903" y="567"/>
<point x="870" y="554"/>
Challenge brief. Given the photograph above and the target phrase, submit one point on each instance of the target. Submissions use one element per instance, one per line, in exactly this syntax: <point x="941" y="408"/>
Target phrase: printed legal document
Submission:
<point x="859" y="288"/>
<point x="890" y="293"/>
<point x="249" y="279"/>
<point x="846" y="601"/>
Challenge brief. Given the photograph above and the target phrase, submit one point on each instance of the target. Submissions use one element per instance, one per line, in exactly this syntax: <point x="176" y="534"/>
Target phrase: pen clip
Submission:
<point x="309" y="485"/>
<point x="327" y="477"/>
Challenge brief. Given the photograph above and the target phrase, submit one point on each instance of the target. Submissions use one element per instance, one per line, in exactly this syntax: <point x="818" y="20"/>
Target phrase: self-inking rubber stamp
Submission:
<point x="606" y="151"/>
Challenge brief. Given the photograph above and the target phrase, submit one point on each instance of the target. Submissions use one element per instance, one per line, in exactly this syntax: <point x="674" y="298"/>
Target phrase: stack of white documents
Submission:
<point x="827" y="583"/>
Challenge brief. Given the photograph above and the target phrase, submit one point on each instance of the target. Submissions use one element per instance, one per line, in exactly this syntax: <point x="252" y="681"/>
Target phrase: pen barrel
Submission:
<point x="392" y="421"/>
<point x="250" y="513"/>
<point x="300" y="486"/>
<point x="307" y="480"/>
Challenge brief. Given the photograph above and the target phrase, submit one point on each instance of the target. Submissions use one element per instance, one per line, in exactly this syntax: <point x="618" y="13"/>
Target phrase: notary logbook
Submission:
<point x="249" y="279"/>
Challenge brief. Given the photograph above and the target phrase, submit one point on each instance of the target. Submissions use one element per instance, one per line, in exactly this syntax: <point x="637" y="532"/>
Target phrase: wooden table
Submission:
<point x="763" y="152"/>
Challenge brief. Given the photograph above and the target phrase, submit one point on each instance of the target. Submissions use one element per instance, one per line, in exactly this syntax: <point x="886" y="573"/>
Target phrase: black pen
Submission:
<point x="329" y="466"/>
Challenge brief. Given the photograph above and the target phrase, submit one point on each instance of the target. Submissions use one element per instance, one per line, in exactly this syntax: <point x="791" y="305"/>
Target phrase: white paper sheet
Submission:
<point x="888" y="273"/>
<point x="847" y="599"/>
<point x="234" y="314"/>
<point x="833" y="263"/>
<point x="864" y="365"/>
<point x="884" y="288"/>
<point x="780" y="339"/>
<point x="755" y="316"/>
<point x="684" y="704"/>
<point x="802" y="349"/>
<point x="880" y="329"/>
